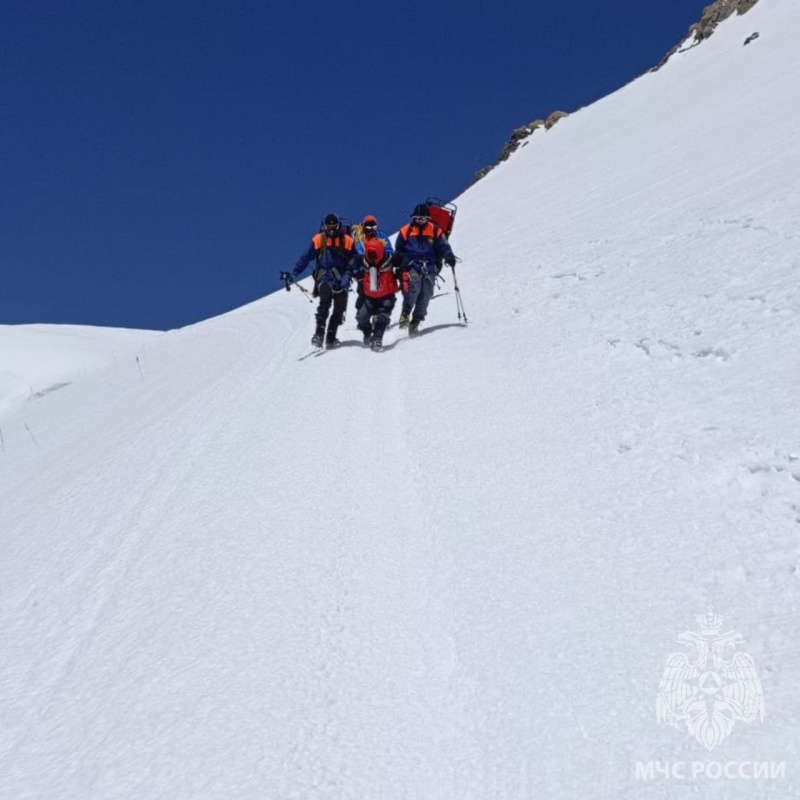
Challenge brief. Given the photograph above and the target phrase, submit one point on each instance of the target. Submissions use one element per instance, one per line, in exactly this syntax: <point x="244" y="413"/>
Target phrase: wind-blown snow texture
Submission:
<point x="455" y="569"/>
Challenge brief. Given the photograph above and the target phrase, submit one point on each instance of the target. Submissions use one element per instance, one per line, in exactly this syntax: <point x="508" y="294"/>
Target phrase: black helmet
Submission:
<point x="331" y="221"/>
<point x="421" y="210"/>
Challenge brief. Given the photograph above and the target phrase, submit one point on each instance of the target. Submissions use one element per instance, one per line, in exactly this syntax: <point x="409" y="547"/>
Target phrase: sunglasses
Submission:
<point x="420" y="220"/>
<point x="370" y="226"/>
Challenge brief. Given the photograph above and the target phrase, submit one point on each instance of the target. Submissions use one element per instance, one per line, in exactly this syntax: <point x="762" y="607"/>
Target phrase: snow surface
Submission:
<point x="455" y="569"/>
<point x="38" y="359"/>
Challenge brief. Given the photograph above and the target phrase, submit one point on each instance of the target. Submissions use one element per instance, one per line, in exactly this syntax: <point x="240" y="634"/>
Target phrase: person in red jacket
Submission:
<point x="380" y="286"/>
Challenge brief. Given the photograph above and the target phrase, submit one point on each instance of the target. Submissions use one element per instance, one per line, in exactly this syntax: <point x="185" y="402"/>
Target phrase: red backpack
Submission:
<point x="379" y="279"/>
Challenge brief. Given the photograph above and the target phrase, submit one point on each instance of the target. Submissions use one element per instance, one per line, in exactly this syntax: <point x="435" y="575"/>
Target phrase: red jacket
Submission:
<point x="378" y="280"/>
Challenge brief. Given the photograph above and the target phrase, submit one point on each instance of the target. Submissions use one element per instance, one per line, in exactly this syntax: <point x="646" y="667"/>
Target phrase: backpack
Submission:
<point x="442" y="214"/>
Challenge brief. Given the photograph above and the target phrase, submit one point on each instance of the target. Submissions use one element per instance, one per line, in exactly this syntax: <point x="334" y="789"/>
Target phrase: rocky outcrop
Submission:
<point x="553" y="118"/>
<point x="517" y="139"/>
<point x="711" y="17"/>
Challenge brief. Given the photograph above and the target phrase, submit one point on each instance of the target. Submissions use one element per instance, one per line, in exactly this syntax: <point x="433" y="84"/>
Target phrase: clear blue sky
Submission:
<point x="160" y="162"/>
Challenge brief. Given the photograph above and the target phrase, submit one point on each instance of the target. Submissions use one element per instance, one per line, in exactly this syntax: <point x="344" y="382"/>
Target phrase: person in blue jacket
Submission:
<point x="419" y="250"/>
<point x="331" y="250"/>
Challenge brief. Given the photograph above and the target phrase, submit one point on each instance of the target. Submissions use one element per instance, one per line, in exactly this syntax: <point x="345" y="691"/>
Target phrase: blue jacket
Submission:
<point x="421" y="248"/>
<point x="387" y="245"/>
<point x="333" y="256"/>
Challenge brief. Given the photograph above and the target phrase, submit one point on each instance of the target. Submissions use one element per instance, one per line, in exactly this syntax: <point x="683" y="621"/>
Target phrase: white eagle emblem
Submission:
<point x="706" y="688"/>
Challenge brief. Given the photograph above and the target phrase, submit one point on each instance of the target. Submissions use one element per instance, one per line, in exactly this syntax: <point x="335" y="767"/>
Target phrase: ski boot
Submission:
<point x="367" y="336"/>
<point x="403" y="324"/>
<point x="413" y="328"/>
<point x="330" y="339"/>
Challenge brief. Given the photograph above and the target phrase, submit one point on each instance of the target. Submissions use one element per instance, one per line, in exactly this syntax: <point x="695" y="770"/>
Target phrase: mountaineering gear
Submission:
<point x="404" y="317"/>
<point x="378" y="284"/>
<point x="443" y="214"/>
<point x="368" y="236"/>
<point x="331" y="251"/>
<point x="413" y="328"/>
<point x="450" y="261"/>
<point x="333" y="254"/>
<point x="422" y="242"/>
<point x="368" y="229"/>
<point x="459" y="301"/>
<point x="376" y="270"/>
<point x="289" y="282"/>
<point x="420" y="248"/>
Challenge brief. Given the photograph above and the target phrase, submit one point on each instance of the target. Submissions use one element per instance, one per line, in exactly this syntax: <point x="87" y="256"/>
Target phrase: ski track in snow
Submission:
<point x="453" y="569"/>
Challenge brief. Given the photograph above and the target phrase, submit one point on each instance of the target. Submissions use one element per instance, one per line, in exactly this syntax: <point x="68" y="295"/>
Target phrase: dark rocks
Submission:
<point x="517" y="140"/>
<point x="555" y="117"/>
<point x="711" y="17"/>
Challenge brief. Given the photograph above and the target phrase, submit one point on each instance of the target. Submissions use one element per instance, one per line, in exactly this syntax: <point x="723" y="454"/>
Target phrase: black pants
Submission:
<point x="327" y="297"/>
<point x="378" y="307"/>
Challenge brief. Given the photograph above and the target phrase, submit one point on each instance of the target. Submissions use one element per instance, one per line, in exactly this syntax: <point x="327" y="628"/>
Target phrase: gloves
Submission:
<point x="450" y="261"/>
<point x="287" y="277"/>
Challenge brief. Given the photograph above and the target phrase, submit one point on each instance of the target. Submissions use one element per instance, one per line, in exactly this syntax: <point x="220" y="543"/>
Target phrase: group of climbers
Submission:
<point x="380" y="270"/>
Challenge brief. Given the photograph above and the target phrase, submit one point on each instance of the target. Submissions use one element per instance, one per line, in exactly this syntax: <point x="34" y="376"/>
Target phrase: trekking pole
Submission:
<point x="459" y="301"/>
<point x="288" y="280"/>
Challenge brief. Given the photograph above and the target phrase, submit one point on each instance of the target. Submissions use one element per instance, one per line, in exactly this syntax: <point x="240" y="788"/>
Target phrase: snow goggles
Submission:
<point x="370" y="226"/>
<point x="420" y="220"/>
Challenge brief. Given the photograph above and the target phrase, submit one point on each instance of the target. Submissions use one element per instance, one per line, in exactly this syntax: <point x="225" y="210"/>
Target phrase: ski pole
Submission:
<point x="288" y="281"/>
<point x="459" y="301"/>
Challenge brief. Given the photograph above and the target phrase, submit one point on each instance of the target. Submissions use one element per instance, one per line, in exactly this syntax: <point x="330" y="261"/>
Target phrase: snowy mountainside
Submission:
<point x="457" y="568"/>
<point x="36" y="359"/>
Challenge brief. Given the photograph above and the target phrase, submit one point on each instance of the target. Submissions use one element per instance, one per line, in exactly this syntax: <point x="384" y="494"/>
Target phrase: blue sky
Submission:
<point x="161" y="162"/>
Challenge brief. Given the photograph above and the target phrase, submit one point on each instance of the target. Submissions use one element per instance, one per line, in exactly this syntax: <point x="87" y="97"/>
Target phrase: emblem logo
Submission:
<point x="712" y="685"/>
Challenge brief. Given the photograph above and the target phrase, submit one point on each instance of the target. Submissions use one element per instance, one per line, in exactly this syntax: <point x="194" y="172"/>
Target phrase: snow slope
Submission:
<point x="455" y="569"/>
<point x="37" y="359"/>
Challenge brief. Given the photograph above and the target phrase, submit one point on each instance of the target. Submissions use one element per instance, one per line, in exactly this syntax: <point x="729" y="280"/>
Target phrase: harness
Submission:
<point x="420" y="263"/>
<point x="338" y="249"/>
